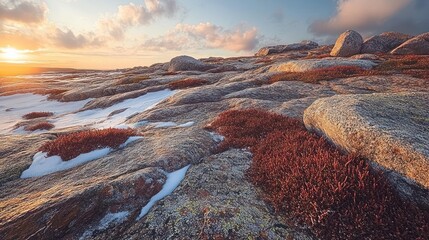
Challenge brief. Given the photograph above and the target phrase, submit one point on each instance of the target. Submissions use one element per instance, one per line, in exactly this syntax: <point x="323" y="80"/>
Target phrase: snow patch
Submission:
<point x="102" y="118"/>
<point x="13" y="107"/>
<point x="173" y="181"/>
<point x="217" y="137"/>
<point x="43" y="165"/>
<point x="172" y="124"/>
<point x="108" y="220"/>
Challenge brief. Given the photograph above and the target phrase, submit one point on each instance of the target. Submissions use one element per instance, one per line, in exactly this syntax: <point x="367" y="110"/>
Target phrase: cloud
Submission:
<point x="373" y="16"/>
<point x="134" y="15"/>
<point x="205" y="35"/>
<point x="67" y="39"/>
<point x="24" y="11"/>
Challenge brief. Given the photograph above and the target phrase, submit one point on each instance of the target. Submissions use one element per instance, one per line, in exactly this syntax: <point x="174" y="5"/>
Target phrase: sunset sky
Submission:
<point x="109" y="34"/>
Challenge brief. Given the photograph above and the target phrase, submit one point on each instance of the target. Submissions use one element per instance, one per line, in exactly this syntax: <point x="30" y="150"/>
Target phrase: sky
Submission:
<point x="111" y="34"/>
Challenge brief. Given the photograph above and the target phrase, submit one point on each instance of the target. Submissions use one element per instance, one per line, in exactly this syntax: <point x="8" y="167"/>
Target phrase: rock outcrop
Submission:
<point x="384" y="42"/>
<point x="187" y="63"/>
<point x="314" y="64"/>
<point x="304" y="45"/>
<point x="348" y="44"/>
<point x="418" y="45"/>
<point x="390" y="129"/>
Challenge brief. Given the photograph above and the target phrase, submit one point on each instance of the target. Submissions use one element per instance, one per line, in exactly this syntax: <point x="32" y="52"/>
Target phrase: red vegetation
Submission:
<point x="39" y="126"/>
<point x="338" y="196"/>
<point x="72" y="145"/>
<point x="187" y="83"/>
<point x="317" y="75"/>
<point x="33" y="115"/>
<point x="413" y="65"/>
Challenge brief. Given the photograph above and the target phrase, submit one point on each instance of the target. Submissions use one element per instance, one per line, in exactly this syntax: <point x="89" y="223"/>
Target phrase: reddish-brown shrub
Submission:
<point x="305" y="178"/>
<point x="33" y="115"/>
<point x="72" y="145"/>
<point x="169" y="73"/>
<point x="187" y="83"/>
<point x="317" y="75"/>
<point x="39" y="126"/>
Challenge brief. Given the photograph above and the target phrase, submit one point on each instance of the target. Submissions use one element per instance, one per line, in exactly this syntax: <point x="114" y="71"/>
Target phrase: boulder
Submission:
<point x="304" y="45"/>
<point x="384" y="42"/>
<point x="314" y="64"/>
<point x="187" y="63"/>
<point x="418" y="45"/>
<point x="348" y="44"/>
<point x="390" y="129"/>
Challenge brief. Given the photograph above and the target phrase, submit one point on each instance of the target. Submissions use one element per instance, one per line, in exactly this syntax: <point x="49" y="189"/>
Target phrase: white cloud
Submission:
<point x="205" y="35"/>
<point x="24" y="11"/>
<point x="364" y="15"/>
<point x="134" y="15"/>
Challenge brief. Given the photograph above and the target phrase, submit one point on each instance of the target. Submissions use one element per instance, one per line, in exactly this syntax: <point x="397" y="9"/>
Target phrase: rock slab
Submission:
<point x="418" y="45"/>
<point x="389" y="129"/>
<point x="348" y="44"/>
<point x="304" y="45"/>
<point x="384" y="42"/>
<point x="314" y="64"/>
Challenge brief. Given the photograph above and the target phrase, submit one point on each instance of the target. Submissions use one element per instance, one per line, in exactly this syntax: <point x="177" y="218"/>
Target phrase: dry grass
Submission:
<point x="310" y="182"/>
<point x="39" y="126"/>
<point x="187" y="83"/>
<point x="72" y="145"/>
<point x="412" y="65"/>
<point x="34" y="115"/>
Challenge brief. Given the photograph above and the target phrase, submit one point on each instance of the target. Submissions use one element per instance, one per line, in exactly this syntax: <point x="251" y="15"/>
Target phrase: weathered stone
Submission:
<point x="384" y="42"/>
<point x="187" y="63"/>
<point x="314" y="64"/>
<point x="418" y="45"/>
<point x="304" y="45"/>
<point x="348" y="44"/>
<point x="390" y="129"/>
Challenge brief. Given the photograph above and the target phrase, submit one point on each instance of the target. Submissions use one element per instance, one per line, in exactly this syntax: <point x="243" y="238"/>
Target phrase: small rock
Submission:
<point x="348" y="44"/>
<point x="384" y="42"/>
<point x="304" y="45"/>
<point x="187" y="63"/>
<point x="418" y="45"/>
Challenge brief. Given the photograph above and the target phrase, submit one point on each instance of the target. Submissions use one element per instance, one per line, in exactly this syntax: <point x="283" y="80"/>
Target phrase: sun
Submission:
<point x="11" y="53"/>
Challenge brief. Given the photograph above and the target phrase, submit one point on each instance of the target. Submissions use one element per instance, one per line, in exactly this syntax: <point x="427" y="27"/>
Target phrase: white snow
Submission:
<point x="217" y="137"/>
<point x="13" y="107"/>
<point x="173" y="181"/>
<point x="172" y="124"/>
<point x="99" y="118"/>
<point x="108" y="220"/>
<point x="43" y="165"/>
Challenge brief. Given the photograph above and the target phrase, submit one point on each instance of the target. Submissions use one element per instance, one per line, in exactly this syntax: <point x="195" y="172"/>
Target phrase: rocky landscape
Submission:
<point x="192" y="158"/>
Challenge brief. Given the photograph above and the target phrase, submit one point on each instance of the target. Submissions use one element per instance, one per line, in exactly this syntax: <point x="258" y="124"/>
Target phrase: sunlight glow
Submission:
<point x="11" y="53"/>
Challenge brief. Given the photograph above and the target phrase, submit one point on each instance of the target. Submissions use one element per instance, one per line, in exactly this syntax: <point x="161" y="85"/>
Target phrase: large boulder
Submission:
<point x="304" y="45"/>
<point x="314" y="64"/>
<point x="348" y="44"/>
<point x="390" y="129"/>
<point x="384" y="42"/>
<point x="418" y="45"/>
<point x="187" y="63"/>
